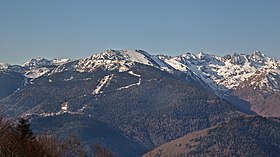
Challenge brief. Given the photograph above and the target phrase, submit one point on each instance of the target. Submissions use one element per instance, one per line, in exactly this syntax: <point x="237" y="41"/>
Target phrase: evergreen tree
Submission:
<point x="24" y="128"/>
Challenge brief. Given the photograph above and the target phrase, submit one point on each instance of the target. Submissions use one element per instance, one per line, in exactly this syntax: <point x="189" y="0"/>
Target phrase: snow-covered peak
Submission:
<point x="37" y="62"/>
<point x="198" y="59"/>
<point x="127" y="54"/>
<point x="119" y="59"/>
<point x="258" y="59"/>
<point x="39" y="66"/>
<point x="257" y="55"/>
<point x="238" y="59"/>
<point x="225" y="72"/>
<point x="3" y="66"/>
<point x="200" y="55"/>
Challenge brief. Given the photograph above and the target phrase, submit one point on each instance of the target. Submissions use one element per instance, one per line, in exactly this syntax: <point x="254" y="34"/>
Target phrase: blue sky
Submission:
<point x="79" y="28"/>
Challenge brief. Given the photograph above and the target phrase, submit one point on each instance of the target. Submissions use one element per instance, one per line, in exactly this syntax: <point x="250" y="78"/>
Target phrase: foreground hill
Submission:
<point x="243" y="136"/>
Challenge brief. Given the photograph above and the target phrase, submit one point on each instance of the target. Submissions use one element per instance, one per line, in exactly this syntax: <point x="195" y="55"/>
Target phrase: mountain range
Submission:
<point x="132" y="101"/>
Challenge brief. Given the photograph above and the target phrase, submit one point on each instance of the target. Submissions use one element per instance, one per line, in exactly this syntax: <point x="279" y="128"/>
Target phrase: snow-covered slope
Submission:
<point x="221" y="73"/>
<point x="37" y="62"/>
<point x="121" y="60"/>
<point x="36" y="72"/>
<point x="228" y="72"/>
<point x="39" y="66"/>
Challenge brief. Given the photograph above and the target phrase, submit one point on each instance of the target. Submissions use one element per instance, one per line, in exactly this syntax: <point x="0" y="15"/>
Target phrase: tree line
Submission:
<point x="18" y="140"/>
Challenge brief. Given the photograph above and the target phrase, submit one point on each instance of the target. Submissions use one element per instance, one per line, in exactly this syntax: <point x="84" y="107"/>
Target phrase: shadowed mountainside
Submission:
<point x="243" y="136"/>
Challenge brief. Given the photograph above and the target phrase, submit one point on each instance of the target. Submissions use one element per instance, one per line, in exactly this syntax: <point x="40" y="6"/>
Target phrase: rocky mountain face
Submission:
<point x="243" y="136"/>
<point x="253" y="78"/>
<point x="137" y="99"/>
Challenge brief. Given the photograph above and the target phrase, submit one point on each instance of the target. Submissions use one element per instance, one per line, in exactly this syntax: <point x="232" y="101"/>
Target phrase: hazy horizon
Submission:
<point x="80" y="57"/>
<point x="76" y="29"/>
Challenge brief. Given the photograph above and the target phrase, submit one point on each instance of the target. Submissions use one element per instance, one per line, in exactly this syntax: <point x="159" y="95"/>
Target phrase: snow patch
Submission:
<point x="102" y="83"/>
<point x="137" y="57"/>
<point x="177" y="65"/>
<point x="36" y="72"/>
<point x="60" y="61"/>
<point x="69" y="79"/>
<point x="132" y="73"/>
<point x="64" y="107"/>
<point x="86" y="79"/>
<point x="134" y="84"/>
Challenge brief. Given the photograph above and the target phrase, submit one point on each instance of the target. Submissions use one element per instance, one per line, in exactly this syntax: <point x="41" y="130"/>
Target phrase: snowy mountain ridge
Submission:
<point x="222" y="73"/>
<point x="43" y="62"/>
<point x="228" y="72"/>
<point x="3" y="66"/>
<point x="39" y="66"/>
<point x="246" y="81"/>
<point x="122" y="60"/>
<point x="37" y="62"/>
